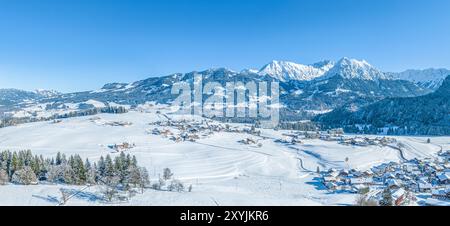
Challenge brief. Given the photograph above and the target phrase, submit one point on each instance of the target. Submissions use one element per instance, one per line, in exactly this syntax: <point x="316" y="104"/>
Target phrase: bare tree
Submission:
<point x="362" y="200"/>
<point x="3" y="177"/>
<point x="167" y="174"/>
<point x="64" y="196"/>
<point x="176" y="185"/>
<point x="110" y="187"/>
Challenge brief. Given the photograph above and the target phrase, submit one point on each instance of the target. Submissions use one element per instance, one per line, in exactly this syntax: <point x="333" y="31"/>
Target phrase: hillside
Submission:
<point x="425" y="115"/>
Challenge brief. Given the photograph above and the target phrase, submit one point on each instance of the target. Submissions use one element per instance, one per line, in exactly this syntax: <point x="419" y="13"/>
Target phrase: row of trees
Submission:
<point x="11" y="121"/>
<point x="114" y="175"/>
<point x="406" y="130"/>
<point x="25" y="168"/>
<point x="299" y="125"/>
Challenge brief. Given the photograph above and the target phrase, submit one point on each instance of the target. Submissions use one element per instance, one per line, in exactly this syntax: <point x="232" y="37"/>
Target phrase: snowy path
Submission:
<point x="400" y="152"/>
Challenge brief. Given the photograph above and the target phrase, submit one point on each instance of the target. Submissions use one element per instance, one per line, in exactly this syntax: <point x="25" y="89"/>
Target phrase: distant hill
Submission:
<point x="421" y="115"/>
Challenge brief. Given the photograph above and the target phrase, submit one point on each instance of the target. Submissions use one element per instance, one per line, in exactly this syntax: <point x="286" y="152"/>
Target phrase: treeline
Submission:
<point x="93" y="111"/>
<point x="406" y="130"/>
<point x="301" y="126"/>
<point x="23" y="167"/>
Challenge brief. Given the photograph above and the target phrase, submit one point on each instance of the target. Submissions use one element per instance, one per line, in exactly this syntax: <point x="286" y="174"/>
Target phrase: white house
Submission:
<point x="425" y="187"/>
<point x="444" y="178"/>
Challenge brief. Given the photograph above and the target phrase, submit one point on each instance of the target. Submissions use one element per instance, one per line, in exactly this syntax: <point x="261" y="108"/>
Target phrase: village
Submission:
<point x="125" y="146"/>
<point x="409" y="182"/>
<point x="413" y="182"/>
<point x="193" y="130"/>
<point x="99" y="121"/>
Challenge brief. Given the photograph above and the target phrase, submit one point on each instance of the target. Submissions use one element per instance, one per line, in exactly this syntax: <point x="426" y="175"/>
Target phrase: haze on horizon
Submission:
<point x="81" y="45"/>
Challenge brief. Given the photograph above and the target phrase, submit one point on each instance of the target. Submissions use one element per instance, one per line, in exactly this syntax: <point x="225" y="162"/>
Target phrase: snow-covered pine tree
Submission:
<point x="144" y="179"/>
<point x="58" y="160"/>
<point x="91" y="174"/>
<point x="15" y="165"/>
<point x="79" y="171"/>
<point x="68" y="174"/>
<point x="56" y="174"/>
<point x="134" y="161"/>
<point x="35" y="165"/>
<point x="121" y="166"/>
<point x="133" y="176"/>
<point x="24" y="176"/>
<point x="109" y="167"/>
<point x="101" y="166"/>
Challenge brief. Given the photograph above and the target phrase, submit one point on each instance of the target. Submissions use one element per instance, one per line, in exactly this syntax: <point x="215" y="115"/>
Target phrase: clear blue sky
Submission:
<point x="81" y="44"/>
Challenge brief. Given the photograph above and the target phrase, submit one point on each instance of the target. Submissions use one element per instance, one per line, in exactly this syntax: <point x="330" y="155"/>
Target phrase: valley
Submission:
<point x="220" y="169"/>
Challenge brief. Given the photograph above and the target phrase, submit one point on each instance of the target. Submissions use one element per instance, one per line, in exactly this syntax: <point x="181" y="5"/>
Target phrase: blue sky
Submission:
<point x="80" y="45"/>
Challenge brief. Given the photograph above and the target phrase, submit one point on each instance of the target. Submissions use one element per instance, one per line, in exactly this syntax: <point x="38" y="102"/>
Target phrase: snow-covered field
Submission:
<point x="221" y="170"/>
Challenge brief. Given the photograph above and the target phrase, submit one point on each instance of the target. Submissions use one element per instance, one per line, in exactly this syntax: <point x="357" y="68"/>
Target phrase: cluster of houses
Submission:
<point x="117" y="123"/>
<point x="184" y="130"/>
<point x="192" y="130"/>
<point x="125" y="146"/>
<point x="56" y="121"/>
<point x="99" y="121"/>
<point x="366" y="141"/>
<point x="338" y="136"/>
<point x="329" y="135"/>
<point x="289" y="139"/>
<point x="251" y="141"/>
<point x="428" y="177"/>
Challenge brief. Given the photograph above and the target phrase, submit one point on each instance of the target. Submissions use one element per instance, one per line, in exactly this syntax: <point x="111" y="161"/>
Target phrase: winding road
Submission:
<point x="400" y="151"/>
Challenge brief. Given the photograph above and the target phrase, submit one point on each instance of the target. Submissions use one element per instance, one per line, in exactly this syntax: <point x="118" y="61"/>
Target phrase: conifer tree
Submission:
<point x="101" y="167"/>
<point x="58" y="160"/>
<point x="144" y="178"/>
<point x="109" y="167"/>
<point x="386" y="197"/>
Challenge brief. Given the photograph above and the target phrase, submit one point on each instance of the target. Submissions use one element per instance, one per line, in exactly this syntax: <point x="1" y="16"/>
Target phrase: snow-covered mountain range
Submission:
<point x="306" y="90"/>
<point x="429" y="78"/>
<point x="285" y="71"/>
<point x="345" y="67"/>
<point x="355" y="69"/>
<point x="350" y="69"/>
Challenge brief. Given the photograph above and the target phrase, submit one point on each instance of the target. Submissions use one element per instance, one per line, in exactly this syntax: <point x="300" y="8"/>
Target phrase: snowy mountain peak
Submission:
<point x="324" y="64"/>
<point x="285" y="71"/>
<point x="355" y="69"/>
<point x="429" y="78"/>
